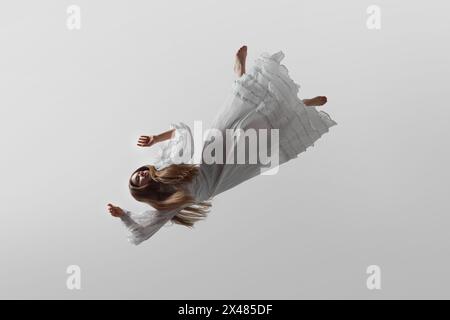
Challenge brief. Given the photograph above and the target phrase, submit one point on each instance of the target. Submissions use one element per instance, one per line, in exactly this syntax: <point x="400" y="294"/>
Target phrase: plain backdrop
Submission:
<point x="373" y="191"/>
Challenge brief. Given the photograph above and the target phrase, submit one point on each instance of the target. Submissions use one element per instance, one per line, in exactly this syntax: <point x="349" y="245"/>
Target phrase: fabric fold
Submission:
<point x="179" y="149"/>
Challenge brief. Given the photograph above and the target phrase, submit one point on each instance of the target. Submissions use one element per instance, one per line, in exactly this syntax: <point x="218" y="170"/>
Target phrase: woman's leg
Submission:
<point x="241" y="56"/>
<point x="315" y="102"/>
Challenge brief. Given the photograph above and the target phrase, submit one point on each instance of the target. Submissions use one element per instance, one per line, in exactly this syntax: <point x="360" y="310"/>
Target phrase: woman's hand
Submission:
<point x="146" y="141"/>
<point x="115" y="211"/>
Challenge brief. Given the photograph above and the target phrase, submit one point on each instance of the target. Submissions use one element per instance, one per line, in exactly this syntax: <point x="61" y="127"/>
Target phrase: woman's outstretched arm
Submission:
<point x="148" y="141"/>
<point x="142" y="225"/>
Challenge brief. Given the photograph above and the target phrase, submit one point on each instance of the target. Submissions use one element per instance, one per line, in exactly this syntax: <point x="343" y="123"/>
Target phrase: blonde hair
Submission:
<point x="166" y="191"/>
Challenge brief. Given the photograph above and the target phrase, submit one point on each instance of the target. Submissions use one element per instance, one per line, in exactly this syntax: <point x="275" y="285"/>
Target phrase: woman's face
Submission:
<point x="141" y="178"/>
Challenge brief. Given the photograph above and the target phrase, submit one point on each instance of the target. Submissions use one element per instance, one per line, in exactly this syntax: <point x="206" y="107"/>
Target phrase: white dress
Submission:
<point x="263" y="98"/>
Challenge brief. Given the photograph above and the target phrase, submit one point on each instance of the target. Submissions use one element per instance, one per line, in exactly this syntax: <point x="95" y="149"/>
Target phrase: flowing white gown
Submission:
<point x="263" y="98"/>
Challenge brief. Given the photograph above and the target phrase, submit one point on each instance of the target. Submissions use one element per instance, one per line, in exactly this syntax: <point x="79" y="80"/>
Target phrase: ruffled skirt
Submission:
<point x="266" y="92"/>
<point x="263" y="98"/>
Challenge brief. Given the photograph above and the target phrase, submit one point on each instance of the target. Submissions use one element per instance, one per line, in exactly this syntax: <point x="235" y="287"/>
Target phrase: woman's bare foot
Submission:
<point x="241" y="56"/>
<point x="315" y="102"/>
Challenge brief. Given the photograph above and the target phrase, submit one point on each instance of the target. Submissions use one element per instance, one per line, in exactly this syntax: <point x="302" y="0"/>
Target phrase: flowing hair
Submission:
<point x="166" y="191"/>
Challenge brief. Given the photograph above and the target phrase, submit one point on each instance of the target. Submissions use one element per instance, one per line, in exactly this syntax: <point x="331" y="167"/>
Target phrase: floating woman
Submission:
<point x="264" y="98"/>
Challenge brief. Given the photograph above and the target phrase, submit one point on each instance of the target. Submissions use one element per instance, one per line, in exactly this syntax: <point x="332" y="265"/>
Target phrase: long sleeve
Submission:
<point x="179" y="149"/>
<point x="144" y="225"/>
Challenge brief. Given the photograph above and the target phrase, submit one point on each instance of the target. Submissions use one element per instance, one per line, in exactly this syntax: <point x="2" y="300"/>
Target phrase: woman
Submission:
<point x="263" y="98"/>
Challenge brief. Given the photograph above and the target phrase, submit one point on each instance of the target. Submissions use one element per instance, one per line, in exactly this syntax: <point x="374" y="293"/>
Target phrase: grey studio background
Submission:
<point x="374" y="191"/>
